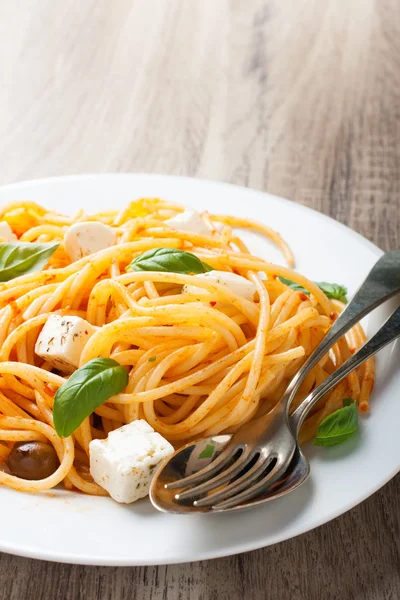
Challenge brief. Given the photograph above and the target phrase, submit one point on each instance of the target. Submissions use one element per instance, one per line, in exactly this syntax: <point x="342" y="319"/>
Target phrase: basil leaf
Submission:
<point x="338" y="426"/>
<point x="334" y="291"/>
<point x="293" y="285"/>
<point x="86" y="389"/>
<point x="208" y="451"/>
<point x="21" y="258"/>
<point x="168" y="260"/>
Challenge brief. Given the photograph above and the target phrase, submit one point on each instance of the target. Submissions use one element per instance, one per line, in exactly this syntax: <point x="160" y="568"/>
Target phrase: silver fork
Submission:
<point x="189" y="457"/>
<point x="266" y="445"/>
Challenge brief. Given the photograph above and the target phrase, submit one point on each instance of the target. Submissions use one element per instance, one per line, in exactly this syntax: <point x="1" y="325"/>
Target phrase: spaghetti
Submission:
<point x="199" y="363"/>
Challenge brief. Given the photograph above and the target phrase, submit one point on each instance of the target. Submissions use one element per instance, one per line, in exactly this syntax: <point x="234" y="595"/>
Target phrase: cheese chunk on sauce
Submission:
<point x="6" y="233"/>
<point x="83" y="239"/>
<point x="125" y="462"/>
<point x="62" y="340"/>
<point x="190" y="221"/>
<point x="236" y="283"/>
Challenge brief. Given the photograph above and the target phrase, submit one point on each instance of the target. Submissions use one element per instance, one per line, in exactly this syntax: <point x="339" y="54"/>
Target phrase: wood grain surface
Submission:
<point x="297" y="97"/>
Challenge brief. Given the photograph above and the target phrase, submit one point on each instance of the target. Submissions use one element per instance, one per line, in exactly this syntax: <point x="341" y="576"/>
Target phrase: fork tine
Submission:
<point x="237" y="486"/>
<point x="255" y="490"/>
<point x="218" y="480"/>
<point x="211" y="469"/>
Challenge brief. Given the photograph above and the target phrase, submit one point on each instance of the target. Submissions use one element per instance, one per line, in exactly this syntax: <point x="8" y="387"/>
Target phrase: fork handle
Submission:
<point x="389" y="331"/>
<point x="382" y="282"/>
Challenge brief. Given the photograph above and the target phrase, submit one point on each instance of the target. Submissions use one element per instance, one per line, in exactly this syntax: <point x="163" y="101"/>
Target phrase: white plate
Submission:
<point x="68" y="527"/>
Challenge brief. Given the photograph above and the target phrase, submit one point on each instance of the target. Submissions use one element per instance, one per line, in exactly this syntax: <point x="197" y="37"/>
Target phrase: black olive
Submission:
<point x="97" y="421"/>
<point x="33" y="460"/>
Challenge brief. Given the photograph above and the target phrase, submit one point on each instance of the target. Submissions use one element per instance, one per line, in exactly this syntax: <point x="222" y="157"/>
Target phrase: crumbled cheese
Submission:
<point x="6" y="233"/>
<point x="190" y="221"/>
<point x="62" y="340"/>
<point x="125" y="462"/>
<point x="82" y="239"/>
<point x="236" y="283"/>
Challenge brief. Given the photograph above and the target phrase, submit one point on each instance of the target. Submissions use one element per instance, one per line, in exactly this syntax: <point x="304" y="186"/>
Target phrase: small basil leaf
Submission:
<point x="334" y="291"/>
<point x="21" y="258"/>
<point x="293" y="285"/>
<point x="208" y="451"/>
<point x="168" y="260"/>
<point x="86" y="389"/>
<point x="338" y="426"/>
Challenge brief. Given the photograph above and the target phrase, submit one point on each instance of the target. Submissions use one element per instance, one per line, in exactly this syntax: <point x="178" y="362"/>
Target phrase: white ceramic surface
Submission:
<point x="68" y="527"/>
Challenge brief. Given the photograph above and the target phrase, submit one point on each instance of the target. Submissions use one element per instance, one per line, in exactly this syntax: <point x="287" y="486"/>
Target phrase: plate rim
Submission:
<point x="76" y="558"/>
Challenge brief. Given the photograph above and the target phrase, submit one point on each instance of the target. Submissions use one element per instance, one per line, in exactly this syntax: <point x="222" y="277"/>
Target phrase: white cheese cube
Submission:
<point x="190" y="221"/>
<point x="62" y="340"/>
<point x="236" y="283"/>
<point x="125" y="462"/>
<point x="82" y="239"/>
<point x="6" y="233"/>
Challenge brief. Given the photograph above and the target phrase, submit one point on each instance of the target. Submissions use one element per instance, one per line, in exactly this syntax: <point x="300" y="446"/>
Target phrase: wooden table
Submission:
<point x="297" y="97"/>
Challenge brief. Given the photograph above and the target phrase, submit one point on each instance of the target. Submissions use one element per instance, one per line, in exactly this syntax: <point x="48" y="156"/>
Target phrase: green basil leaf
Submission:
<point x="338" y="426"/>
<point x="169" y="260"/>
<point x="86" y="389"/>
<point x="21" y="258"/>
<point x="334" y="291"/>
<point x="293" y="285"/>
<point x="208" y="451"/>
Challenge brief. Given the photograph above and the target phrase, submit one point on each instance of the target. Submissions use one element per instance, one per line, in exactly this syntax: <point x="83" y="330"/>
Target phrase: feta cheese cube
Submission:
<point x="82" y="239"/>
<point x="236" y="283"/>
<point x="62" y="340"/>
<point x="6" y="233"/>
<point x="190" y="221"/>
<point x="125" y="462"/>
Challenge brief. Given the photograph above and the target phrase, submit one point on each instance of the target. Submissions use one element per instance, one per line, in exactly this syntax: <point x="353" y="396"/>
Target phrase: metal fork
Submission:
<point x="190" y="456"/>
<point x="266" y="445"/>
